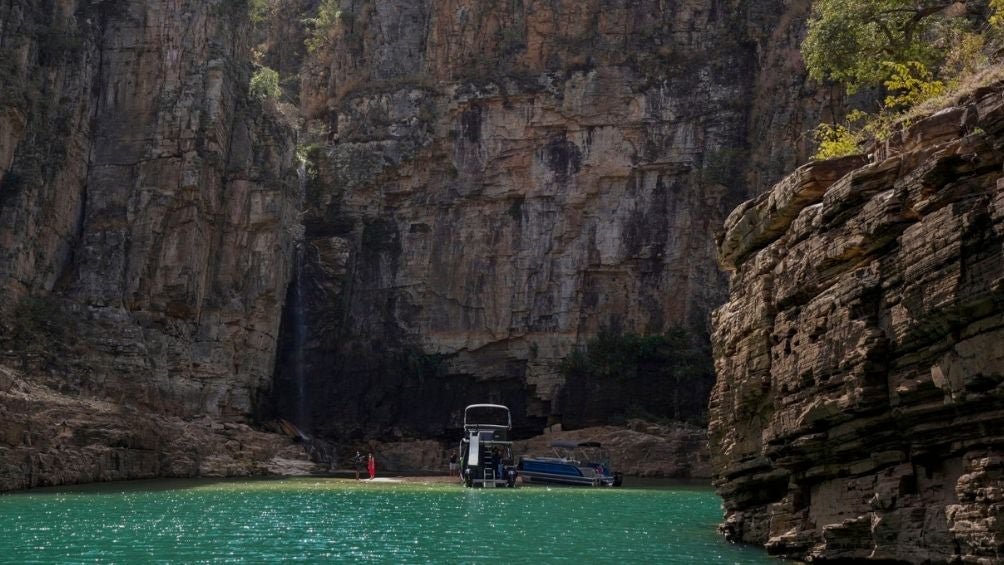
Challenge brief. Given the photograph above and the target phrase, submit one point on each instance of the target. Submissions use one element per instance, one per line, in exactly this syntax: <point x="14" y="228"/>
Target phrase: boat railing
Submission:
<point x="557" y="460"/>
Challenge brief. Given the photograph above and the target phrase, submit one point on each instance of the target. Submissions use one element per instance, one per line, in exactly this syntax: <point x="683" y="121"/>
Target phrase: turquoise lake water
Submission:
<point x="336" y="520"/>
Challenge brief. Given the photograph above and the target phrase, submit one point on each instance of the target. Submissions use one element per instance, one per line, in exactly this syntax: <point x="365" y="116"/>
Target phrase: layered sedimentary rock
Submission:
<point x="49" y="438"/>
<point x="492" y="183"/>
<point x="860" y="395"/>
<point x="146" y="201"/>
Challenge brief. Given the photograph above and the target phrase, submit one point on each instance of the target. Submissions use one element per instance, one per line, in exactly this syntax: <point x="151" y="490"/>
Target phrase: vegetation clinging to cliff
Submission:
<point x="37" y="327"/>
<point x="614" y="355"/>
<point x="908" y="51"/>
<point x="664" y="375"/>
<point x="854" y="41"/>
<point x="265" y="84"/>
<point x="328" y="13"/>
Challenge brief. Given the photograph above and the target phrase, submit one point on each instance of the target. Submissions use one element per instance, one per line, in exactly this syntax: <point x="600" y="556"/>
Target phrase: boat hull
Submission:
<point x="547" y="479"/>
<point x="557" y="473"/>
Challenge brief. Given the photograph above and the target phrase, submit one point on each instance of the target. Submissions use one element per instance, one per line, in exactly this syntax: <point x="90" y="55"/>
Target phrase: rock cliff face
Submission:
<point x="492" y="183"/>
<point x="860" y="395"/>
<point x="147" y="207"/>
<point x="489" y="184"/>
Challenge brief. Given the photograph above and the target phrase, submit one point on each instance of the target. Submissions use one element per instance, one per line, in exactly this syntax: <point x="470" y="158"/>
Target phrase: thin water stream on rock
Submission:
<point x="299" y="318"/>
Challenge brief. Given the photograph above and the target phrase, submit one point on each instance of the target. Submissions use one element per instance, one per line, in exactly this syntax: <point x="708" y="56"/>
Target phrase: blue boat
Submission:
<point x="582" y="463"/>
<point x="485" y="451"/>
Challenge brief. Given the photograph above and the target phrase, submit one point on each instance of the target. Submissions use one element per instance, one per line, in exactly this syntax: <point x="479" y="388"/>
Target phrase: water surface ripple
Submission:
<point x="329" y="520"/>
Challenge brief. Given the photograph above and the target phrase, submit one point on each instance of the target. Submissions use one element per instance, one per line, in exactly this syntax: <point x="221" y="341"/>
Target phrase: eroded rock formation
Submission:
<point x="493" y="183"/>
<point x="149" y="204"/>
<point x="50" y="438"/>
<point x="860" y="358"/>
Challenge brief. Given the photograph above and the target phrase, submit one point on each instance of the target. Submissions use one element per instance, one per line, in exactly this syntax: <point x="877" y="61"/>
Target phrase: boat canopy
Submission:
<point x="487" y="417"/>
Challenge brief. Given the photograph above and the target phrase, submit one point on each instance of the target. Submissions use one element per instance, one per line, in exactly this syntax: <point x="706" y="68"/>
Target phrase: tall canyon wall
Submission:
<point x="488" y="184"/>
<point x="494" y="182"/>
<point x="148" y="212"/>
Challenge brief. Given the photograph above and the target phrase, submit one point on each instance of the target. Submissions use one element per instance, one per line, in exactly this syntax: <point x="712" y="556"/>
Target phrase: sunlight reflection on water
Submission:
<point x="316" y="520"/>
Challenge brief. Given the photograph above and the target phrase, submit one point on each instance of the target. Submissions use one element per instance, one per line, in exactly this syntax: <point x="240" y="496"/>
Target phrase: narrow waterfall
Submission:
<point x="299" y="331"/>
<point x="298" y="320"/>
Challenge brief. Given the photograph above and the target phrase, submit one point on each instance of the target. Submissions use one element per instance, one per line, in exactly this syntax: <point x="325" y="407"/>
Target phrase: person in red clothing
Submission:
<point x="371" y="466"/>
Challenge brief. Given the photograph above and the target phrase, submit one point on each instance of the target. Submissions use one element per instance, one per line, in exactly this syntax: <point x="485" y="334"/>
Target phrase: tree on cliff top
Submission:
<point x="910" y="51"/>
<point x="854" y="41"/>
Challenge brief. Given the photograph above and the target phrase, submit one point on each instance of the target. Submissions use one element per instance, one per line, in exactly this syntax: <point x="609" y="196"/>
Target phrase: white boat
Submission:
<point x="485" y="451"/>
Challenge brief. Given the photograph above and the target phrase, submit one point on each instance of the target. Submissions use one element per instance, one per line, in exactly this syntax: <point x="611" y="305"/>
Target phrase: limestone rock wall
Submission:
<point x="494" y="182"/>
<point x="146" y="200"/>
<point x="144" y="189"/>
<point x="860" y="395"/>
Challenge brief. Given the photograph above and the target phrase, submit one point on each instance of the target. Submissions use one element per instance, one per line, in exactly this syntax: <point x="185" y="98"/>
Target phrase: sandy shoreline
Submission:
<point x="394" y="478"/>
<point x="629" y="481"/>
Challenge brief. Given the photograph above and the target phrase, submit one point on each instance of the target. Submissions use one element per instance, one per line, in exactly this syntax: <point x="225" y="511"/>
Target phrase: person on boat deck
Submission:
<point x="371" y="466"/>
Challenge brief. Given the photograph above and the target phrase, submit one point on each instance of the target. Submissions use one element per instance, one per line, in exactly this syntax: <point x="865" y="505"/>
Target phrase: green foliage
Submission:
<point x="667" y="375"/>
<point x="910" y="84"/>
<point x="309" y="155"/>
<point x="997" y="13"/>
<point x="259" y="10"/>
<point x="851" y="41"/>
<point x="320" y="26"/>
<point x="911" y="51"/>
<point x="615" y="355"/>
<point x="835" y="140"/>
<point x="265" y="84"/>
<point x="39" y="326"/>
<point x="966" y="54"/>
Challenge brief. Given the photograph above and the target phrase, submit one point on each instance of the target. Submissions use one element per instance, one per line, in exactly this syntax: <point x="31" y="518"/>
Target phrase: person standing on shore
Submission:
<point x="371" y="466"/>
<point x="357" y="462"/>
<point x="453" y="463"/>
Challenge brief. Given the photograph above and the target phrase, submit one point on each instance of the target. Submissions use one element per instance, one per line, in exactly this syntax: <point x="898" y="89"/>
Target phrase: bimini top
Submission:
<point x="487" y="417"/>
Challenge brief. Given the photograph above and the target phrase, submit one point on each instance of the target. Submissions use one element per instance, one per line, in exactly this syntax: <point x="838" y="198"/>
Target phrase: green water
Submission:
<point x="335" y="520"/>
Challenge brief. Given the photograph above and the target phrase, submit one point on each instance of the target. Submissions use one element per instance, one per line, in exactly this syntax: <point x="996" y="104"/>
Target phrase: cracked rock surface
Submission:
<point x="860" y="395"/>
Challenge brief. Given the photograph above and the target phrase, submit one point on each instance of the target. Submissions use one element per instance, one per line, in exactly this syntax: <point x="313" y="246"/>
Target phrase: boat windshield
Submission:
<point x="487" y="417"/>
<point x="590" y="452"/>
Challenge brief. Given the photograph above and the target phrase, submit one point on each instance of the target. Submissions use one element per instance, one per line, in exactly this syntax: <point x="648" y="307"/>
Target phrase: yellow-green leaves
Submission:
<point x="835" y="140"/>
<point x="910" y="84"/>
<point x="997" y="13"/>
<point x="265" y="84"/>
